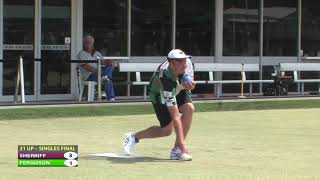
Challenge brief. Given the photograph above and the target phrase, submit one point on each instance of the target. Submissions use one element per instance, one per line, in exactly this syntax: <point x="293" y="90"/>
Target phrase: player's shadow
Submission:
<point x="140" y="159"/>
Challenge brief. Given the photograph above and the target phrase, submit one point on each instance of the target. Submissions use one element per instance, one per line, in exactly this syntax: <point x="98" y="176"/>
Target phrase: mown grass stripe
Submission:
<point x="89" y="111"/>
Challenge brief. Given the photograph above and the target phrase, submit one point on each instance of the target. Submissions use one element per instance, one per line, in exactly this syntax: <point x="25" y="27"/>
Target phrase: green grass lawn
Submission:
<point x="111" y="109"/>
<point x="226" y="145"/>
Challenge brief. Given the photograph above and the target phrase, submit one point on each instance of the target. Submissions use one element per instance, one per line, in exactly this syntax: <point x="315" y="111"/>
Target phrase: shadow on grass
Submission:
<point x="117" y="160"/>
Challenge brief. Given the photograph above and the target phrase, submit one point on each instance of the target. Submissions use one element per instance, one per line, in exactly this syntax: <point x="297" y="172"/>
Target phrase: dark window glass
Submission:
<point x="18" y="29"/>
<point x="241" y="28"/>
<point x="310" y="29"/>
<point x="236" y="88"/>
<point x="196" y="27"/>
<point x="280" y="28"/>
<point x="203" y="90"/>
<point x="55" y="53"/>
<point x="18" y="25"/>
<point x="267" y="72"/>
<point x="106" y="21"/>
<point x="10" y="69"/>
<point x="151" y="27"/>
<point x="231" y="88"/>
<point x="313" y="87"/>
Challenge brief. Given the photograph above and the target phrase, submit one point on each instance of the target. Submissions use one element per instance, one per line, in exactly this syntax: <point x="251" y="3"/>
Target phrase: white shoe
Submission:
<point x="129" y="143"/>
<point x="175" y="154"/>
<point x="105" y="78"/>
<point x="185" y="157"/>
<point x="112" y="99"/>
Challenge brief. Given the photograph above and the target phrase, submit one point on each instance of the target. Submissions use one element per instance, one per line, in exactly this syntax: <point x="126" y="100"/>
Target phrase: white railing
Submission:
<point x="20" y="82"/>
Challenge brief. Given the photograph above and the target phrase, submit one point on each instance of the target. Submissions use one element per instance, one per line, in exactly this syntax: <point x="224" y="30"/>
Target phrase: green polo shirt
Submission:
<point x="163" y="85"/>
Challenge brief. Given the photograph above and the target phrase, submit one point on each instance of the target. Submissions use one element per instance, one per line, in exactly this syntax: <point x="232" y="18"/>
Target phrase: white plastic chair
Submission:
<point x="91" y="87"/>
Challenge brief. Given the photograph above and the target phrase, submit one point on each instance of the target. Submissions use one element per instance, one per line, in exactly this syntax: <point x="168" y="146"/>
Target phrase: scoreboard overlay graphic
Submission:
<point x="47" y="155"/>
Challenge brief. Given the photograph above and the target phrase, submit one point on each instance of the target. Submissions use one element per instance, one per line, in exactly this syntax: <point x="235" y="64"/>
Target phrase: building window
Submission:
<point x="310" y="38"/>
<point x="151" y="27"/>
<point x="196" y="27"/>
<point x="18" y="40"/>
<point x="280" y="28"/>
<point x="241" y="28"/>
<point x="55" y="53"/>
<point x="310" y="30"/>
<point x="106" y="21"/>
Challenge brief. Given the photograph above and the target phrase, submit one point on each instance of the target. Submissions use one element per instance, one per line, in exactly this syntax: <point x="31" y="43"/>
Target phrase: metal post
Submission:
<point x="37" y="49"/>
<point x="128" y="85"/>
<point x="242" y="79"/>
<point x="299" y="32"/>
<point x="299" y="41"/>
<point x="1" y="45"/>
<point x="76" y="40"/>
<point x="261" y="45"/>
<point x="129" y="43"/>
<point x="99" y="78"/>
<point x="129" y="28"/>
<point x="145" y="92"/>
<point x="218" y="31"/>
<point x="218" y="43"/>
<point x="23" y="100"/>
<point x="173" y="23"/>
<point x="15" y="98"/>
<point x="219" y="88"/>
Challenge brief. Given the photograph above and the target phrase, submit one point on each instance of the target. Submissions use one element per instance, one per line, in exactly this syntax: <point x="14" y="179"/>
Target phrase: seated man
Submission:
<point x="89" y="72"/>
